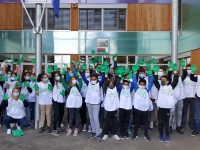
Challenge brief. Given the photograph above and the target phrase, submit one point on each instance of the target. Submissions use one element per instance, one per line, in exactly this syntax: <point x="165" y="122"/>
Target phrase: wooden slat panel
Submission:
<point x="74" y="18"/>
<point x="75" y="58"/>
<point x="149" y="17"/>
<point x="195" y="54"/>
<point x="11" y="17"/>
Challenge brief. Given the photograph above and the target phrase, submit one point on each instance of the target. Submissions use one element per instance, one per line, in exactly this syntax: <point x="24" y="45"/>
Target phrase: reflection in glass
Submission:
<point x="131" y="59"/>
<point x="121" y="59"/>
<point x="63" y="23"/>
<point x="90" y="19"/>
<point x="115" y="19"/>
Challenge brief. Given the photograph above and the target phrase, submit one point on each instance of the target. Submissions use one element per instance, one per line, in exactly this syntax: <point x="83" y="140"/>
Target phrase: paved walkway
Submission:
<point x="45" y="141"/>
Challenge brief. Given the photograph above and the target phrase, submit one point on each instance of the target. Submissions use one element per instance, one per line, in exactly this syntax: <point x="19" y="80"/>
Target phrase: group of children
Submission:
<point x="101" y="90"/>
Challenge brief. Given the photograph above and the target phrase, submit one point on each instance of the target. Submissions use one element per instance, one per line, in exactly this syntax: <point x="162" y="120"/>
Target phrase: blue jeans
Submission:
<point x="21" y="122"/>
<point x="32" y="110"/>
<point x="197" y="119"/>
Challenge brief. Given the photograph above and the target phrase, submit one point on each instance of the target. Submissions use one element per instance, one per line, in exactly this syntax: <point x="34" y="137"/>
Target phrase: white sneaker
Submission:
<point x="105" y="137"/>
<point x="18" y="127"/>
<point x="12" y="125"/>
<point x="8" y="131"/>
<point x="62" y="125"/>
<point x="89" y="129"/>
<point x="84" y="128"/>
<point x="116" y="137"/>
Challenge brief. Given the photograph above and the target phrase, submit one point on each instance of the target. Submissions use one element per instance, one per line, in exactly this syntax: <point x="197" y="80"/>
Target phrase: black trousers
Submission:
<point x="111" y="118"/>
<point x="101" y="117"/>
<point x="163" y="118"/>
<point x="83" y="112"/>
<point x="74" y="116"/>
<point x="186" y="103"/>
<point x="141" y="118"/>
<point x="124" y="116"/>
<point x="58" y="114"/>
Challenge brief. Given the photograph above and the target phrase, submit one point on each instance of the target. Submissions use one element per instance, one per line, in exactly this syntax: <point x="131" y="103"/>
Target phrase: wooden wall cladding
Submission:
<point x="74" y="18"/>
<point x="74" y="57"/>
<point x="11" y="17"/>
<point x="195" y="55"/>
<point x="149" y="17"/>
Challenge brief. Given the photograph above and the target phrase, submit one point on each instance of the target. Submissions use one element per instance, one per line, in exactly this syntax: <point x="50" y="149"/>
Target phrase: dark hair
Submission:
<point x="59" y="75"/>
<point x="143" y="81"/>
<point x="9" y="71"/>
<point x="94" y="75"/>
<point x="14" y="73"/>
<point x="40" y="76"/>
<point x="188" y="65"/>
<point x="125" y="81"/>
<point x="24" y="74"/>
<point x="165" y="78"/>
<point x="162" y="68"/>
<point x="141" y="69"/>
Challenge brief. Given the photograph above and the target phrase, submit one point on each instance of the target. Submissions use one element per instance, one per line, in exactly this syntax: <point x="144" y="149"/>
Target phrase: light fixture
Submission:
<point x="73" y="5"/>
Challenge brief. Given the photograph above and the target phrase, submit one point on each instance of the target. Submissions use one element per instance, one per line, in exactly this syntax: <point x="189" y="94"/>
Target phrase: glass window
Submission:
<point x="32" y="14"/>
<point x="16" y="57"/>
<point x="82" y="58"/>
<point x="66" y="59"/>
<point x="63" y="23"/>
<point x="28" y="67"/>
<point x="115" y="19"/>
<point x="121" y="59"/>
<point x="54" y="59"/>
<point x="90" y="19"/>
<point x="3" y="57"/>
<point x="131" y="59"/>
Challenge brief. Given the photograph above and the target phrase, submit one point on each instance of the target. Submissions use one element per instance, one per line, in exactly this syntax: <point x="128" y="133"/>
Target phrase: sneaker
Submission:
<point x="12" y="125"/>
<point x="48" y="129"/>
<point x="69" y="132"/>
<point x="122" y="137"/>
<point x="59" y="130"/>
<point x="75" y="132"/>
<point x="161" y="138"/>
<point x="134" y="137"/>
<point x="62" y="125"/>
<point x="126" y="137"/>
<point x="92" y="135"/>
<point x="8" y="131"/>
<point x="98" y="138"/>
<point x="151" y="126"/>
<point x="167" y="138"/>
<point x="67" y="128"/>
<point x="32" y="125"/>
<point x="18" y="127"/>
<point x="129" y="132"/>
<point x="179" y="130"/>
<point x="41" y="130"/>
<point x="84" y="128"/>
<point x="147" y="138"/>
<point x="194" y="133"/>
<point x="89" y="128"/>
<point x="105" y="137"/>
<point x="116" y="137"/>
<point x="56" y="133"/>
